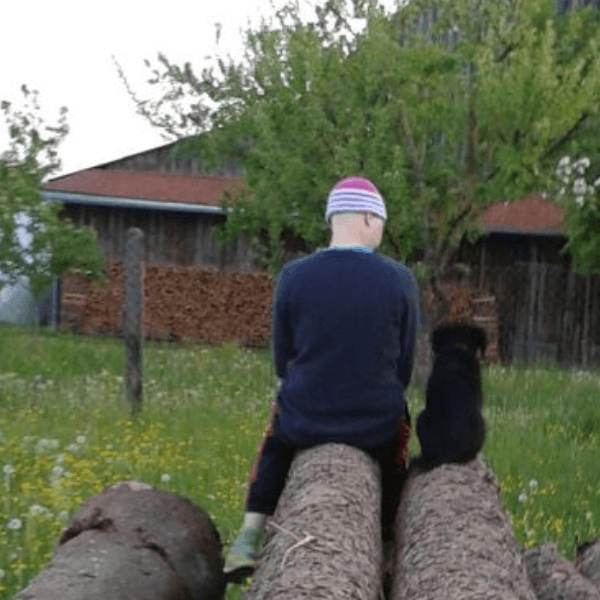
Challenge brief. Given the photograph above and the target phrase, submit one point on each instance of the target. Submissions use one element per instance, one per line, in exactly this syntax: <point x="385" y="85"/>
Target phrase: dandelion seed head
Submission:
<point x="35" y="509"/>
<point x="165" y="478"/>
<point x="45" y="445"/>
<point x="8" y="470"/>
<point x="533" y="484"/>
<point x="81" y="439"/>
<point x="522" y="497"/>
<point x="14" y="524"/>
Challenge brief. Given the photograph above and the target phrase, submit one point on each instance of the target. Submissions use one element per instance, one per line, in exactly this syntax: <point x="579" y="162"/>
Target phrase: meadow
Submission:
<point x="66" y="432"/>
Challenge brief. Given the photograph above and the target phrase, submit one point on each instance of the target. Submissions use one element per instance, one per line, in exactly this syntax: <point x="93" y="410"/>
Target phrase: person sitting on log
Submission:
<point x="344" y="327"/>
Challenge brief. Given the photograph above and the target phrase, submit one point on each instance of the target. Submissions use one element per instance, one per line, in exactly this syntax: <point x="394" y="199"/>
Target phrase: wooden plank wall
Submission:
<point x="170" y="237"/>
<point x="545" y="312"/>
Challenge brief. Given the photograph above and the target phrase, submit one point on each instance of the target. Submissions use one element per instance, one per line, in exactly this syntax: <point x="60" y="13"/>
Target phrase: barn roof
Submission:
<point x="534" y="214"/>
<point x="192" y="190"/>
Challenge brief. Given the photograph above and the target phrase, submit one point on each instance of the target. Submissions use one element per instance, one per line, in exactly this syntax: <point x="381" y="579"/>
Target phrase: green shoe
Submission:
<point x="242" y="557"/>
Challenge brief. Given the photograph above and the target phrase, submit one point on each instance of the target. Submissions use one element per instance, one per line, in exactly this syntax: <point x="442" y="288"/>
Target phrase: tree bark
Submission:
<point x="324" y="540"/>
<point x="588" y="561"/>
<point x="553" y="577"/>
<point x="131" y="541"/>
<point x="453" y="540"/>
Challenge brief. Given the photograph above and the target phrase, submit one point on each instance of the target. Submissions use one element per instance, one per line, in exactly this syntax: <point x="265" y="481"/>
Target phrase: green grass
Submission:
<point x="66" y="432"/>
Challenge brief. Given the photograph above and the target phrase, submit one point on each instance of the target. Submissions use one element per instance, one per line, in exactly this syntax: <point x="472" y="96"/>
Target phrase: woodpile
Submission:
<point x="453" y="541"/>
<point x="131" y="541"/>
<point x="324" y="540"/>
<point x="474" y="306"/>
<point x="179" y="302"/>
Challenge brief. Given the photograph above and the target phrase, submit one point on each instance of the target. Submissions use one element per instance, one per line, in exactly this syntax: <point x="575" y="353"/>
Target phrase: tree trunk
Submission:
<point x="553" y="577"/>
<point x="324" y="540"/>
<point x="454" y="540"/>
<point x="131" y="541"/>
<point x="588" y="562"/>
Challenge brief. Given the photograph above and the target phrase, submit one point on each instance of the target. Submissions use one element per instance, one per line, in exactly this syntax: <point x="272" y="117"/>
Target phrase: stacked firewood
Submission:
<point x="476" y="306"/>
<point x="179" y="302"/>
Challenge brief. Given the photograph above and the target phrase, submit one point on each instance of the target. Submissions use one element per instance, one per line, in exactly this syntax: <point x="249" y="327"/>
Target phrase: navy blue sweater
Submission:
<point x="344" y="327"/>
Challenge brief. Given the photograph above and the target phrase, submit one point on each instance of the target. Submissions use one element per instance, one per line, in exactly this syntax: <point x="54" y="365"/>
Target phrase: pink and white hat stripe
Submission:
<point x="355" y="194"/>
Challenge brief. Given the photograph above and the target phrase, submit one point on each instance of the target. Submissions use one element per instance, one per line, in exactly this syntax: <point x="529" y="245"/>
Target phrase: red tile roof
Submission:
<point x="144" y="185"/>
<point x="533" y="214"/>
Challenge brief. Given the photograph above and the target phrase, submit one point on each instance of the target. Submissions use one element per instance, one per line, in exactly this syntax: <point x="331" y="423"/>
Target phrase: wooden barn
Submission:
<point x="546" y="310"/>
<point x="171" y="200"/>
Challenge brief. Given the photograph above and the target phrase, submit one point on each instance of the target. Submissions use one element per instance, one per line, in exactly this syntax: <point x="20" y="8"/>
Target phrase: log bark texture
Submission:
<point x="588" y="561"/>
<point x="131" y="541"/>
<point x="324" y="540"/>
<point x="454" y="541"/>
<point x="553" y="577"/>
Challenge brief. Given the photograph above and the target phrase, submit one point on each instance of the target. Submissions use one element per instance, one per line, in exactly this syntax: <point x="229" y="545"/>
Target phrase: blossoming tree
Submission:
<point x="579" y="191"/>
<point x="446" y="106"/>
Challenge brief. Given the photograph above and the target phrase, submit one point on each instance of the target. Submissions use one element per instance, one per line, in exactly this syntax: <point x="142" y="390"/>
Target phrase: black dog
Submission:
<point x="451" y="427"/>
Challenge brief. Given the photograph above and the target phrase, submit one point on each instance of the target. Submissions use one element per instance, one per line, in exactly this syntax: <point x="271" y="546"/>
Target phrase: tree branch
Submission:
<point x="565" y="137"/>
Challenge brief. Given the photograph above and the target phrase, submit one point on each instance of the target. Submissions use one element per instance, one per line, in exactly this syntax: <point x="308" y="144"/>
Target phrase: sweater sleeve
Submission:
<point x="282" y="340"/>
<point x="409" y="331"/>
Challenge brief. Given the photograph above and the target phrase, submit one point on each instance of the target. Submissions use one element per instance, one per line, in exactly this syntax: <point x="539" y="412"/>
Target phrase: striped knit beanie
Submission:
<point x="355" y="194"/>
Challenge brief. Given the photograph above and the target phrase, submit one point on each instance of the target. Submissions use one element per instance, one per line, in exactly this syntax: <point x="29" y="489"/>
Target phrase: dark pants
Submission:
<point x="275" y="456"/>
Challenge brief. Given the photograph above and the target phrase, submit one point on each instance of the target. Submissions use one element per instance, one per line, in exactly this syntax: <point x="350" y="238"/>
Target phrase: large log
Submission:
<point x="553" y="577"/>
<point x="131" y="541"/>
<point x="324" y="540"/>
<point x="588" y="561"/>
<point x="454" y="540"/>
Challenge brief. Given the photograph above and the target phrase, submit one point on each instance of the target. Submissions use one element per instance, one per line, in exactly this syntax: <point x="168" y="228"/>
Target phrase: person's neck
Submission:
<point x="345" y="241"/>
<point x="345" y="244"/>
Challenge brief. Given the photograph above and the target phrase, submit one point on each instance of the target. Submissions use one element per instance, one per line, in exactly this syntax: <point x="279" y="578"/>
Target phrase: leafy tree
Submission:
<point x="579" y="191"/>
<point x="446" y="106"/>
<point x="55" y="245"/>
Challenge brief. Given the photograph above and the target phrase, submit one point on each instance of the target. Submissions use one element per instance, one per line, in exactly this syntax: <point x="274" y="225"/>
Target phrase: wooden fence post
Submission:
<point x="132" y="316"/>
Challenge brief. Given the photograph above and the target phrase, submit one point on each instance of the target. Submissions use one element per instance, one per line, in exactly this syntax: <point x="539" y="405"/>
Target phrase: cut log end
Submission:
<point x="131" y="541"/>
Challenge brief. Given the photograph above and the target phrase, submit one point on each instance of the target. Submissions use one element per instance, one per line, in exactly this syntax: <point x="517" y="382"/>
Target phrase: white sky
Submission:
<point x="63" y="49"/>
